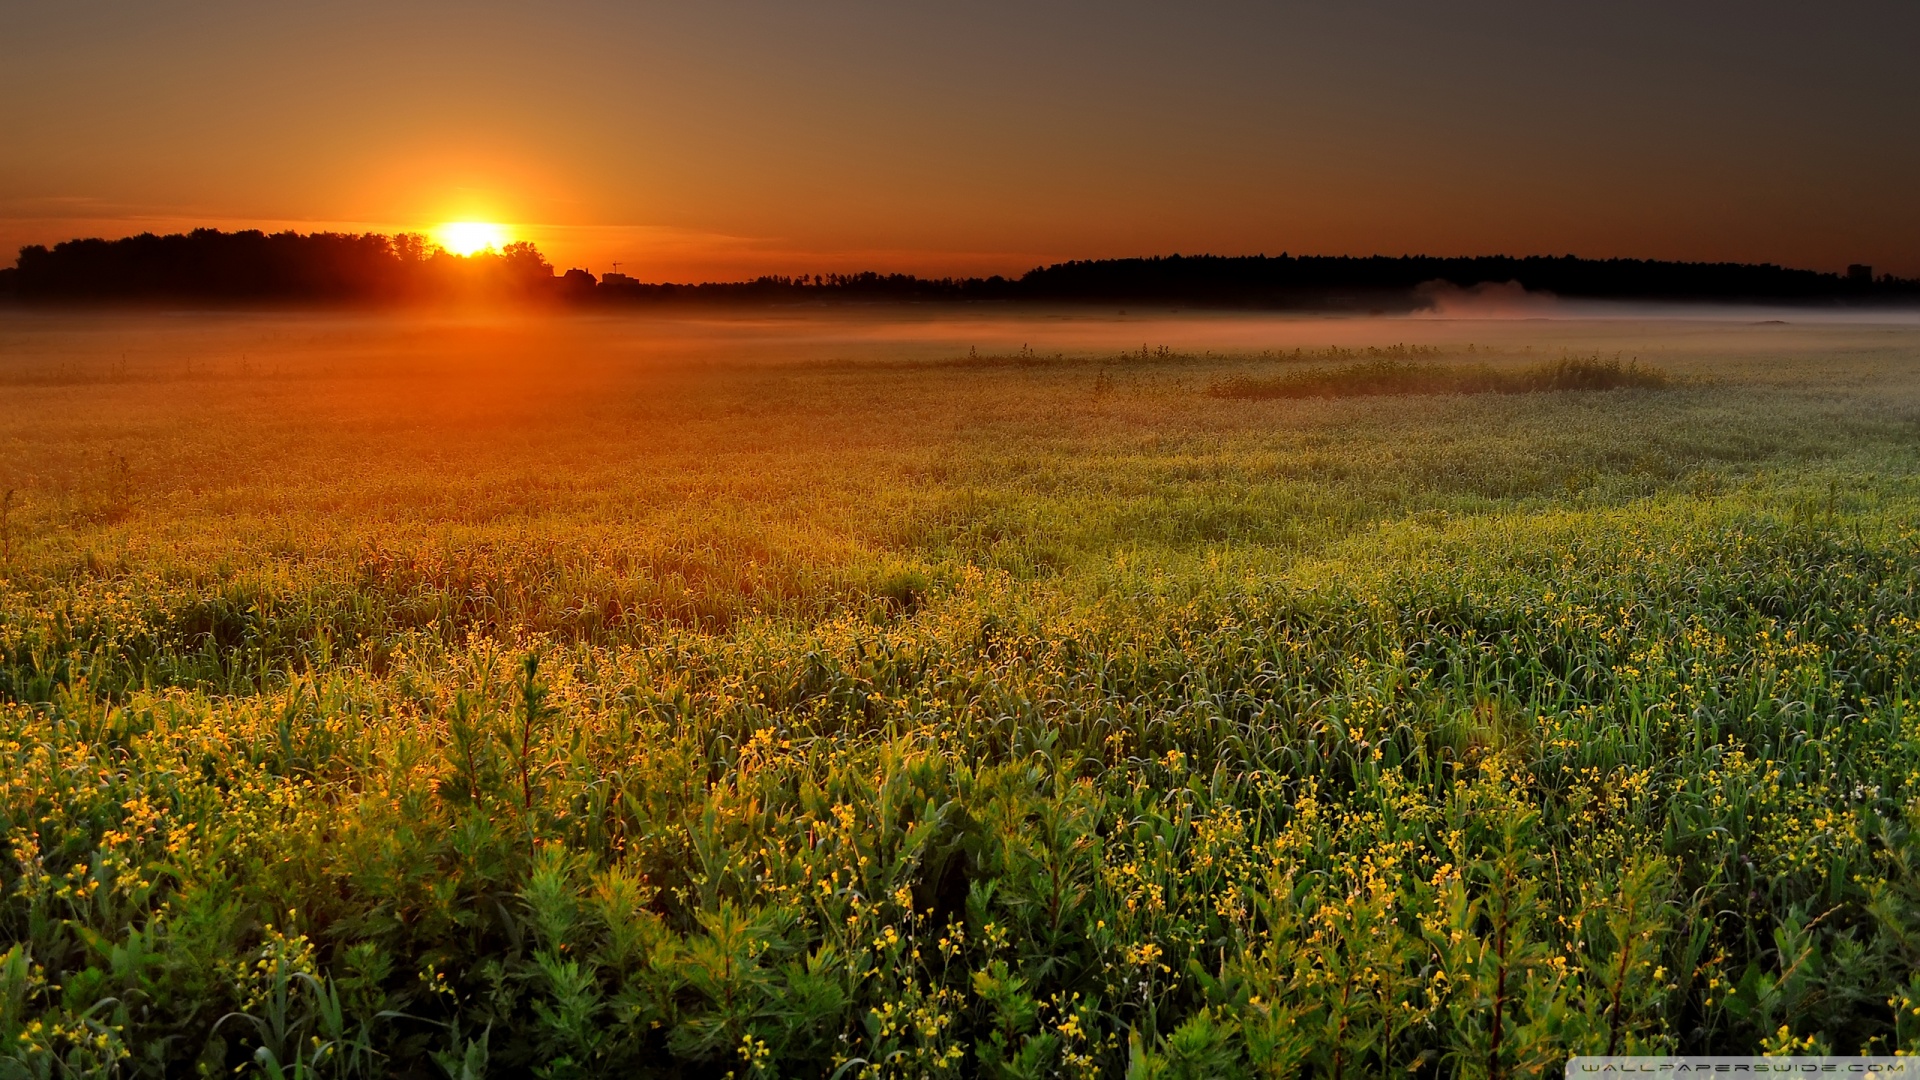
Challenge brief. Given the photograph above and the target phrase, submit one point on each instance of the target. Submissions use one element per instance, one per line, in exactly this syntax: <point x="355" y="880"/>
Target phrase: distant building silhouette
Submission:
<point x="1860" y="274"/>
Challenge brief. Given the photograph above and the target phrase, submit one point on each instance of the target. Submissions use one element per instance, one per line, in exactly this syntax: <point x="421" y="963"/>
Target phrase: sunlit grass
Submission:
<point x="386" y="700"/>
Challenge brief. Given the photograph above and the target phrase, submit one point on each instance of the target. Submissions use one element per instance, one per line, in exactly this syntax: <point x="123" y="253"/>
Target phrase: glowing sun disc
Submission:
<point x="468" y="237"/>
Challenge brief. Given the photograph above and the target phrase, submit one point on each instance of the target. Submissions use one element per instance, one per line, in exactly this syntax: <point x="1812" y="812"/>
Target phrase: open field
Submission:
<point x="912" y="694"/>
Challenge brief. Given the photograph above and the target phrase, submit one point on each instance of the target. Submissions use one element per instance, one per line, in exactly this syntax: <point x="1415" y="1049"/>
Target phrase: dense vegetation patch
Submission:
<point x="1387" y="376"/>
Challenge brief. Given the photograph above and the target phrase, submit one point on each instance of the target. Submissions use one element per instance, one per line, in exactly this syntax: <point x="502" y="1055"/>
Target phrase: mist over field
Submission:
<point x="1500" y="317"/>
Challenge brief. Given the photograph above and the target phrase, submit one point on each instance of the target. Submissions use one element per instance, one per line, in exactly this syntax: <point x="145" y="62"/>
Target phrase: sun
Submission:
<point x="468" y="237"/>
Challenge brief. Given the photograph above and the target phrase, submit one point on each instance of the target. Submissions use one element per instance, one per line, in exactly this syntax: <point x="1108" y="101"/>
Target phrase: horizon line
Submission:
<point x="814" y="278"/>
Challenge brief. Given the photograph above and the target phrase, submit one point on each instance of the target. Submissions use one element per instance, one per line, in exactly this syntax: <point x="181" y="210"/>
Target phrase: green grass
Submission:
<point x="394" y="699"/>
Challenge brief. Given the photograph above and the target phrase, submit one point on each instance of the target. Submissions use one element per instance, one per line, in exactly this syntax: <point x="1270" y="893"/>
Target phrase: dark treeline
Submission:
<point x="208" y="264"/>
<point x="1258" y="277"/>
<point x="213" y="266"/>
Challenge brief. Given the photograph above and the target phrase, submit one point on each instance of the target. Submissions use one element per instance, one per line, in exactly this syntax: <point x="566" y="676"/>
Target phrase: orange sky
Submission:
<point x="729" y="139"/>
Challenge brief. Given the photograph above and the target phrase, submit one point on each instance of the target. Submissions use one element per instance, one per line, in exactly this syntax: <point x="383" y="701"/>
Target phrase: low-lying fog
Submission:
<point x="32" y="340"/>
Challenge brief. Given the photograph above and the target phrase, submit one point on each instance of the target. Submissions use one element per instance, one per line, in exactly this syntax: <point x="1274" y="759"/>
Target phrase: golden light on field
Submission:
<point x="468" y="237"/>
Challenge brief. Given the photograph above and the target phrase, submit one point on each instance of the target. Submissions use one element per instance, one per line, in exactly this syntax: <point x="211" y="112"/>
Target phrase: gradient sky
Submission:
<point x="722" y="139"/>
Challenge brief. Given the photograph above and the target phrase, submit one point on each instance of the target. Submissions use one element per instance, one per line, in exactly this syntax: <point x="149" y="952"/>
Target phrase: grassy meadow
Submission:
<point x="829" y="696"/>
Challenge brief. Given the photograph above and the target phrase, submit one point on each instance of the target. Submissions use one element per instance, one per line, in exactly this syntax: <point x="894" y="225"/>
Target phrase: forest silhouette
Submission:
<point x="250" y="265"/>
<point x="208" y="264"/>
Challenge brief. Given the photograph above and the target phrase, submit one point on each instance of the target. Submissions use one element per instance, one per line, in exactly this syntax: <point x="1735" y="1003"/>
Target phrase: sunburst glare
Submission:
<point x="469" y="237"/>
